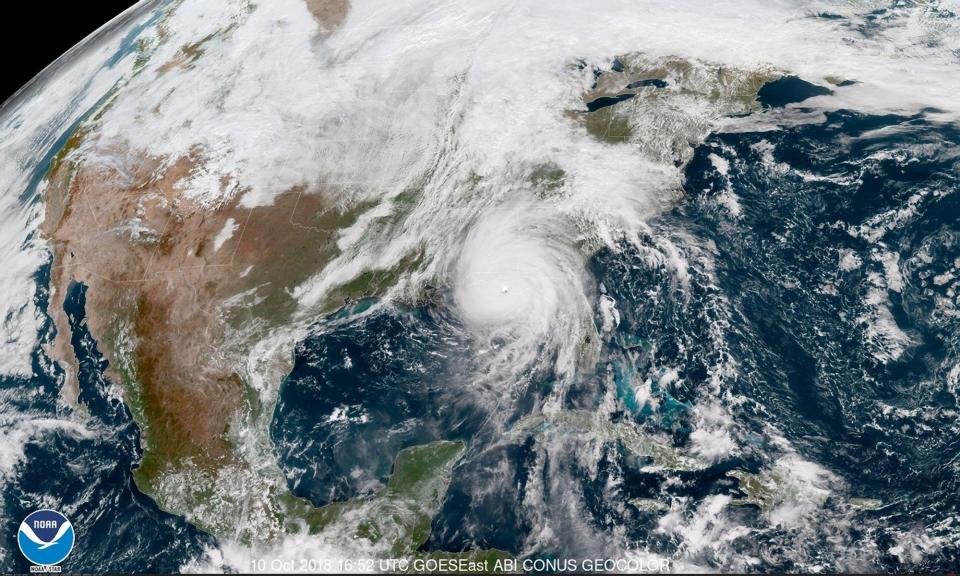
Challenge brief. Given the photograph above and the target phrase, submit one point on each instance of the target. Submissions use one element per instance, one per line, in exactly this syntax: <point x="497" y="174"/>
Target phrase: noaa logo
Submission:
<point x="46" y="537"/>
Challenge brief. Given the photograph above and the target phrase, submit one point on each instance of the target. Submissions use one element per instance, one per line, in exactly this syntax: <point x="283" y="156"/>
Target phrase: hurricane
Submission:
<point x="332" y="285"/>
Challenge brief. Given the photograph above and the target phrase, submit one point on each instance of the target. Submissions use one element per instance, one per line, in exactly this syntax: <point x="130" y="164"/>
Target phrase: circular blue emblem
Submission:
<point x="46" y="537"/>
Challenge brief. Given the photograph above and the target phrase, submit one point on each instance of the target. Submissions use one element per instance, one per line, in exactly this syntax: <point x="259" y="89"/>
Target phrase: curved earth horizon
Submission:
<point x="346" y="285"/>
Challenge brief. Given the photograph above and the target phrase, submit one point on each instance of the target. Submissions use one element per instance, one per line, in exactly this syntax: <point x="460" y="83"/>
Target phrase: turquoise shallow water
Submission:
<point x="849" y="363"/>
<point x="818" y="300"/>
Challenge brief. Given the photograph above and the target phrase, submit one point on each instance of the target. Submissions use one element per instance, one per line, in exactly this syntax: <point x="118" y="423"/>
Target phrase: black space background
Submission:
<point x="42" y="31"/>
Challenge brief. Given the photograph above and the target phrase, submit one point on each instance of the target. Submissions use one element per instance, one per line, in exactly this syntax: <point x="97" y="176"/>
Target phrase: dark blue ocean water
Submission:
<point x="766" y="291"/>
<point x="838" y="221"/>
<point x="871" y="186"/>
<point x="86" y="476"/>
<point x="360" y="393"/>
